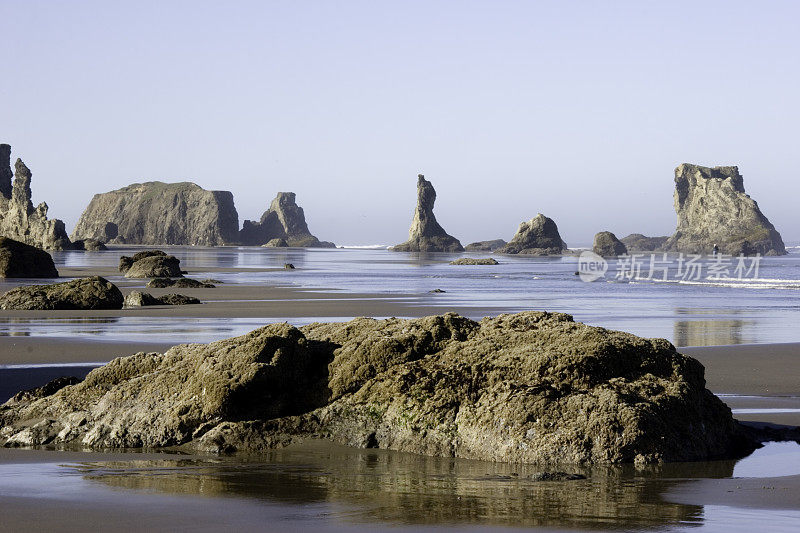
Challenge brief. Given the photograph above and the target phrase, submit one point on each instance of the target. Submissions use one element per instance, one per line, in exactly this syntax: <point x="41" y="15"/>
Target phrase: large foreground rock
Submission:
<point x="713" y="209"/>
<point x="426" y="235"/>
<point x="19" y="220"/>
<point x="636" y="242"/>
<point x="606" y="244"/>
<point x="83" y="294"/>
<point x="161" y="213"/>
<point x="20" y="260"/>
<point x="530" y="387"/>
<point x="283" y="220"/>
<point x="538" y="236"/>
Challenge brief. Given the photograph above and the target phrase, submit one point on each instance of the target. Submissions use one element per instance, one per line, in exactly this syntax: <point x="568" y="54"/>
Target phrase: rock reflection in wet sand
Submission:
<point x="399" y="488"/>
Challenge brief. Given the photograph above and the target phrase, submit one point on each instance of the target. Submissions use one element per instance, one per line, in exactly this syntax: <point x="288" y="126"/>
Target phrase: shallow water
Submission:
<point x="702" y="313"/>
<point x="334" y="486"/>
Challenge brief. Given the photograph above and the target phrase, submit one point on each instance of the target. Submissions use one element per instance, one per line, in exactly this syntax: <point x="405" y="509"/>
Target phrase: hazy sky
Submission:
<point x="578" y="110"/>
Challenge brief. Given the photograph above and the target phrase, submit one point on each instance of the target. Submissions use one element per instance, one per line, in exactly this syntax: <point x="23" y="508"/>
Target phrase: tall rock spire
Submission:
<point x="425" y="234"/>
<point x="18" y="219"/>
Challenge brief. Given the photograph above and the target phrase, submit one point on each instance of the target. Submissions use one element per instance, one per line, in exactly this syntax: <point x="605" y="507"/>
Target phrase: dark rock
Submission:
<point x="161" y="213"/>
<point x="538" y="236"/>
<point x="288" y="266"/>
<point x="473" y="261"/>
<point x="555" y="476"/>
<point x="713" y="210"/>
<point x="485" y="246"/>
<point x="178" y="299"/>
<point x="83" y="293"/>
<point x="283" y="220"/>
<point x="155" y="266"/>
<point x="606" y="244"/>
<point x="426" y="235"/>
<point x="524" y="388"/>
<point x="437" y="291"/>
<point x="89" y="245"/>
<point x="141" y="299"/>
<point x="636" y="242"/>
<point x="19" y="220"/>
<point x="181" y="283"/>
<point x="20" y="260"/>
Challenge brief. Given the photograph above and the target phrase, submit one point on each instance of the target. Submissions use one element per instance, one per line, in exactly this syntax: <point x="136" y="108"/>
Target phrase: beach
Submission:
<point x="758" y="381"/>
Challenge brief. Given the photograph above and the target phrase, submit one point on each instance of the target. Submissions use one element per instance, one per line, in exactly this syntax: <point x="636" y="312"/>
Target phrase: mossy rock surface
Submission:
<point x="82" y="294"/>
<point x="531" y="387"/>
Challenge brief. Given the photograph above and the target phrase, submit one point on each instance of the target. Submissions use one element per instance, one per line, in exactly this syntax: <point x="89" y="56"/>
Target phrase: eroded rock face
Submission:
<point x="485" y="246"/>
<point x="713" y="209"/>
<point x="606" y="244"/>
<point x="19" y="220"/>
<point x="538" y="236"/>
<point x="530" y="387"/>
<point x="20" y="260"/>
<point x="426" y="235"/>
<point x="83" y="293"/>
<point x="283" y="220"/>
<point x="161" y="213"/>
<point x="636" y="242"/>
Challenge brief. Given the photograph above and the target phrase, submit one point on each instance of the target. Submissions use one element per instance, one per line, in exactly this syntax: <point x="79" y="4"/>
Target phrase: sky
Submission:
<point x="578" y="110"/>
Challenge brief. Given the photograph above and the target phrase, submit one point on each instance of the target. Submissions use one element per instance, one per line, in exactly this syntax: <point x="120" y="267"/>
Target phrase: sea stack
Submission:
<point x="713" y="209"/>
<point x="161" y="213"/>
<point x="19" y="220"/>
<point x="606" y="244"/>
<point x="426" y="235"/>
<point x="538" y="236"/>
<point x="283" y="220"/>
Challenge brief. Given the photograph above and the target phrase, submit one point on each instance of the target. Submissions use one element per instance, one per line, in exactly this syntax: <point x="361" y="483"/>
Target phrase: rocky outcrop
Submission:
<point x="150" y="264"/>
<point x="538" y="236"/>
<point x="606" y="244"/>
<point x="181" y="283"/>
<point x="89" y="245"/>
<point x="126" y="262"/>
<point x="276" y="243"/>
<point x="713" y="209"/>
<point x="82" y="293"/>
<point x="19" y="220"/>
<point x="525" y="388"/>
<point x="485" y="246"/>
<point x="474" y="261"/>
<point x="426" y="235"/>
<point x="20" y="260"/>
<point x="141" y="299"/>
<point x="283" y="220"/>
<point x="636" y="242"/>
<point x="155" y="266"/>
<point x="161" y="213"/>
